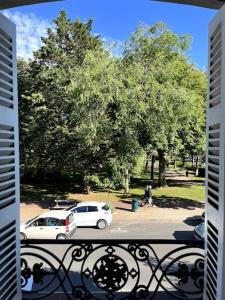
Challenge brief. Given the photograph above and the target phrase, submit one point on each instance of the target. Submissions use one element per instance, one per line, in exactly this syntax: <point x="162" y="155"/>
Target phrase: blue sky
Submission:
<point x="115" y="19"/>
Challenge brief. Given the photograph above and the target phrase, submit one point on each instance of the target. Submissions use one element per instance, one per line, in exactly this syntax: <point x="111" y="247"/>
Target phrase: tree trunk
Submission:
<point x="183" y="160"/>
<point x="152" y="167"/>
<point x="196" y="166"/>
<point x="126" y="186"/>
<point x="147" y="164"/>
<point x="174" y="163"/>
<point x="192" y="159"/>
<point x="162" y="169"/>
<point x="88" y="189"/>
<point x="86" y="185"/>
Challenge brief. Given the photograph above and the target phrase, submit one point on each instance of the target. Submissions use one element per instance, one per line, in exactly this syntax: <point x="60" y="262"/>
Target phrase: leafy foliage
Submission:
<point x="83" y="111"/>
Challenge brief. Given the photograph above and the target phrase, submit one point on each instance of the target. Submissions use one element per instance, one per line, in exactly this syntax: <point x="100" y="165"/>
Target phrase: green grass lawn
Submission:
<point x="196" y="193"/>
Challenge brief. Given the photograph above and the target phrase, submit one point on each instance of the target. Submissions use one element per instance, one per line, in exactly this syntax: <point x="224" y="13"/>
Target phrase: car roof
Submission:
<point x="91" y="203"/>
<point x="60" y="214"/>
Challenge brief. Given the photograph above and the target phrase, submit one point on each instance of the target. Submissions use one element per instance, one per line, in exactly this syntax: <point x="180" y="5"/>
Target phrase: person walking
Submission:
<point x="148" y="195"/>
<point x="150" y="201"/>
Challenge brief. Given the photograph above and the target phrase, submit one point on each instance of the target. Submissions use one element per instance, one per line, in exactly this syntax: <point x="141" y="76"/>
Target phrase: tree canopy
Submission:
<point x="84" y="111"/>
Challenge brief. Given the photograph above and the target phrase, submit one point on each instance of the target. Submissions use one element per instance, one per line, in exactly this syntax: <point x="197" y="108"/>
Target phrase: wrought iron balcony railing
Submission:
<point x="112" y="269"/>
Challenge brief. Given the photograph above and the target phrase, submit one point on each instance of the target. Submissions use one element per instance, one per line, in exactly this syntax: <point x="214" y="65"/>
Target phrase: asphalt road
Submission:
<point x="139" y="230"/>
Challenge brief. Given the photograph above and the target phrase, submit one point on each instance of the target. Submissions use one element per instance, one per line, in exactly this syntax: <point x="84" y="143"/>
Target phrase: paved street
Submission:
<point x="139" y="230"/>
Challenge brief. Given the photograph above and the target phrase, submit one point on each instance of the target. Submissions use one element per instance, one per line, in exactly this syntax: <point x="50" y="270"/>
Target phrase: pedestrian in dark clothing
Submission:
<point x="148" y="195"/>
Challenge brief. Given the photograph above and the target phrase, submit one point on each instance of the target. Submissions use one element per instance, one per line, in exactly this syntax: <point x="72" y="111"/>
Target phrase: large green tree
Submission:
<point x="86" y="112"/>
<point x="167" y="88"/>
<point x="44" y="91"/>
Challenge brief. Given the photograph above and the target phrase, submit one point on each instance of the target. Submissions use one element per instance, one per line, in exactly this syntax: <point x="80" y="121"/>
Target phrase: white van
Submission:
<point x="54" y="224"/>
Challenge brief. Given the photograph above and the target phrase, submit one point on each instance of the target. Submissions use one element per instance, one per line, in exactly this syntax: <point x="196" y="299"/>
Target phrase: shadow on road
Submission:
<point x="193" y="221"/>
<point x="123" y="208"/>
<point x="183" y="235"/>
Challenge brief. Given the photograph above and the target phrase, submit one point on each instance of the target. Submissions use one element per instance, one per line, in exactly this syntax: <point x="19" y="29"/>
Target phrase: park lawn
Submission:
<point x="32" y="193"/>
<point x="174" y="194"/>
<point x="194" y="192"/>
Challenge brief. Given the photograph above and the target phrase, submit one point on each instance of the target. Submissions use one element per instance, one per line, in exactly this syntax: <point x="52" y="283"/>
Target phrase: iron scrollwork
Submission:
<point x="112" y="269"/>
<point x="196" y="273"/>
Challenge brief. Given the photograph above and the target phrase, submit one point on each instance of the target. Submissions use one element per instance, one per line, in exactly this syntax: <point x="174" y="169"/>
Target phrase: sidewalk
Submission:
<point x="144" y="214"/>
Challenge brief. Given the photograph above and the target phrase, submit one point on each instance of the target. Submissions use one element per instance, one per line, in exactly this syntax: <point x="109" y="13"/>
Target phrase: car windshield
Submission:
<point x="31" y="220"/>
<point x="105" y="207"/>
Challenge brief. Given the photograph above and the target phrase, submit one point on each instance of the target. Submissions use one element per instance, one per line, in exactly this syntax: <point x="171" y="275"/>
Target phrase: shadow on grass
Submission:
<point x="184" y="183"/>
<point x="142" y="182"/>
<point x="138" y="183"/>
<point x="166" y="202"/>
<point x="44" y="195"/>
<point x="174" y="173"/>
<point x="176" y="202"/>
<point x="125" y="196"/>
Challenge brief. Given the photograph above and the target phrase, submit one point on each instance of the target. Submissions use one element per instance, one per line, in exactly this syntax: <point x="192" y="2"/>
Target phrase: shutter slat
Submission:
<point x="9" y="158"/>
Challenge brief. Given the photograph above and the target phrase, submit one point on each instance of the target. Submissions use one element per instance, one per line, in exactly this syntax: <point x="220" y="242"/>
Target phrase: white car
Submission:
<point x="199" y="231"/>
<point x="92" y="214"/>
<point x="54" y="224"/>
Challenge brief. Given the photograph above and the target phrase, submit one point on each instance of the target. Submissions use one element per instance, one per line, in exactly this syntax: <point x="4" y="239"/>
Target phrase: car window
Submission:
<point x="29" y="221"/>
<point x="92" y="208"/>
<point x="62" y="222"/>
<point x="39" y="222"/>
<point x="81" y="209"/>
<point x="53" y="222"/>
<point x="105" y="207"/>
<point x="72" y="207"/>
<point x="70" y="218"/>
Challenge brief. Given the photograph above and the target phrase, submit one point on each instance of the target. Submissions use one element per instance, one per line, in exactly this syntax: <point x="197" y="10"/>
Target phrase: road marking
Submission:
<point x="119" y="230"/>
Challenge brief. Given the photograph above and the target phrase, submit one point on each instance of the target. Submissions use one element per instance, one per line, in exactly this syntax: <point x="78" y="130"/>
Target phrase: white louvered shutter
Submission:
<point x="215" y="186"/>
<point x="9" y="165"/>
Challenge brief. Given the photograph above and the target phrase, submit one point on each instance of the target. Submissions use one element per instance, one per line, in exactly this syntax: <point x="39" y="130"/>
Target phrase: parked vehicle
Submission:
<point x="54" y="224"/>
<point x="92" y="214"/>
<point x="63" y="204"/>
<point x="199" y="231"/>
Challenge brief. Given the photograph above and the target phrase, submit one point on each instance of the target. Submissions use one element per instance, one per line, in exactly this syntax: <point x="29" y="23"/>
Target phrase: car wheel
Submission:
<point x="101" y="224"/>
<point x="23" y="236"/>
<point x="61" y="237"/>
